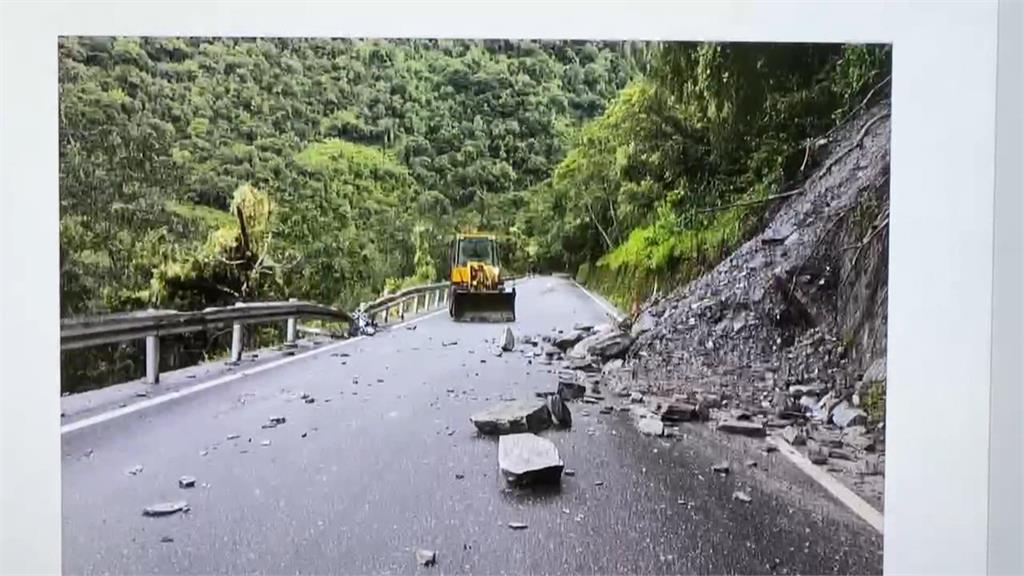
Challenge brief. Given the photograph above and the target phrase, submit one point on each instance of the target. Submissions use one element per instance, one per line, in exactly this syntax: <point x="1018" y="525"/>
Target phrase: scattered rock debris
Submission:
<point x="135" y="470"/>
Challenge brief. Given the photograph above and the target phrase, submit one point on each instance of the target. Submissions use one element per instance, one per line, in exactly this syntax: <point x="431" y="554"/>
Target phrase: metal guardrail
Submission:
<point x="411" y="301"/>
<point x="152" y="324"/>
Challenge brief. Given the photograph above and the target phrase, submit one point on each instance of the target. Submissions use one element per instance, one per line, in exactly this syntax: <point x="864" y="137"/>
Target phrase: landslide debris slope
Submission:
<point x="800" y="308"/>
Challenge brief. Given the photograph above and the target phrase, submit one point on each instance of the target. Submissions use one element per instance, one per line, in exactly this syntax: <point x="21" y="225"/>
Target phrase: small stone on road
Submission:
<point x="426" y="557"/>
<point x="165" y="508"/>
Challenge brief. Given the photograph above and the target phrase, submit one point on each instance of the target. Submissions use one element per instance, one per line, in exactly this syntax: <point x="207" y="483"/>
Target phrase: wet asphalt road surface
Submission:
<point x="386" y="461"/>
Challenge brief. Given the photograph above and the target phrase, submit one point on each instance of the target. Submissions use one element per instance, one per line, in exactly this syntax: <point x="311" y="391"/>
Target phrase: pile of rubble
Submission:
<point x="523" y="456"/>
<point x="786" y="336"/>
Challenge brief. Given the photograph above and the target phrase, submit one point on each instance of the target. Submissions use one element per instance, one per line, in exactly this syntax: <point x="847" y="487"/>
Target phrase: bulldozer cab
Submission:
<point x="475" y="249"/>
<point x="478" y="291"/>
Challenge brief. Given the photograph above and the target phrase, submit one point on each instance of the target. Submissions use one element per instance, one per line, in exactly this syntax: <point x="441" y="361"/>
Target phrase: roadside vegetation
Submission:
<point x="201" y="172"/>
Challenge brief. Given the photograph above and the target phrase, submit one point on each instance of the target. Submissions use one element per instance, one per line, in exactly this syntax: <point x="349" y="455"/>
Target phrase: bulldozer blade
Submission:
<point x="484" y="307"/>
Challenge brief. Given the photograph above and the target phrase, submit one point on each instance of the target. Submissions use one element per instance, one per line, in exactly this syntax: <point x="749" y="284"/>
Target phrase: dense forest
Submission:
<point x="201" y="171"/>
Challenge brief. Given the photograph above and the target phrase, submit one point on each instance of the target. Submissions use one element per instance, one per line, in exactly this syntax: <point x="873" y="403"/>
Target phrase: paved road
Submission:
<point x="355" y="482"/>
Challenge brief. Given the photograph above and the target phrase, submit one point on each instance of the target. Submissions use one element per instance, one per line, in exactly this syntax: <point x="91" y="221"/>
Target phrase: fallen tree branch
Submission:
<point x="807" y="156"/>
<point x="856" y="143"/>
<point x="764" y="200"/>
<point x="862" y="104"/>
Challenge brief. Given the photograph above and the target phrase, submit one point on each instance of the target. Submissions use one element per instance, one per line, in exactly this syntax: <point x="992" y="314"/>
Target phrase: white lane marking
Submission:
<point x="855" y="503"/>
<point x="600" y="302"/>
<point x="110" y="415"/>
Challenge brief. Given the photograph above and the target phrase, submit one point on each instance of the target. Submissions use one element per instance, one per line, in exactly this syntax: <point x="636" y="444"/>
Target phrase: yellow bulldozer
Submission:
<point x="478" y="292"/>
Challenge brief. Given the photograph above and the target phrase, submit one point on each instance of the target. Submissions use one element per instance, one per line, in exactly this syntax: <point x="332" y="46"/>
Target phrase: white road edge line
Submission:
<point x="110" y="415"/>
<point x="607" y="307"/>
<point x="855" y="503"/>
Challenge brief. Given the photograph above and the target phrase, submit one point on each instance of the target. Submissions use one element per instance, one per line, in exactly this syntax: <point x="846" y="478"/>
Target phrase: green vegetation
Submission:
<point x="668" y="180"/>
<point x="198" y="172"/>
<point x="874" y="402"/>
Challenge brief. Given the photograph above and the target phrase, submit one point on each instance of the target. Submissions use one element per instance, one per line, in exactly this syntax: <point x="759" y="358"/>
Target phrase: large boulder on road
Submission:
<point x="566" y="342"/>
<point x="514" y="417"/>
<point x="528" y="458"/>
<point x="604" y="345"/>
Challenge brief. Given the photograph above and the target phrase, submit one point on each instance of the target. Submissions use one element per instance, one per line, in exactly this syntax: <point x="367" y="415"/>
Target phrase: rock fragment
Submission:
<point x="426" y="557"/>
<point x="816" y="453"/>
<point x="794" y="436"/>
<point x="528" y="458"/>
<point x="651" y="427"/>
<point x="135" y="470"/>
<point x="741" y="496"/>
<point x="187" y="482"/>
<point x="743" y="427"/>
<point x="845" y="415"/>
<point x="518" y="525"/>
<point x="165" y="508"/>
<point x="678" y="412"/>
<point x="513" y="417"/>
<point x="720" y="468"/>
<point x="508" y="340"/>
<point x="561" y="416"/>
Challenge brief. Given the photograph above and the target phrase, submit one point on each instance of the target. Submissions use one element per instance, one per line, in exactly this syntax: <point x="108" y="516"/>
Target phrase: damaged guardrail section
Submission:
<point x="152" y="324"/>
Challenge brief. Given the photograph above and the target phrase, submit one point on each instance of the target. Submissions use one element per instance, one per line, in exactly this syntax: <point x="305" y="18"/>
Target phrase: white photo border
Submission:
<point x="937" y="508"/>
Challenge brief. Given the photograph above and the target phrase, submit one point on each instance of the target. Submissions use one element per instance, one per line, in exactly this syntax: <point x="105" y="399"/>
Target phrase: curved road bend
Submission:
<point x="356" y="481"/>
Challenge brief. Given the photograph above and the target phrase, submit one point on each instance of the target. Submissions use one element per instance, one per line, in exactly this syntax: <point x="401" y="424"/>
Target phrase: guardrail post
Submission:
<point x="415" y="303"/>
<point x="236" y="342"/>
<point x="387" y="311"/>
<point x="444" y="295"/>
<point x="290" y="330"/>
<point x="152" y="359"/>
